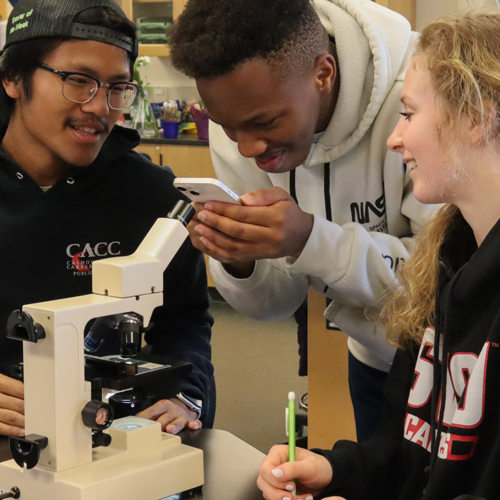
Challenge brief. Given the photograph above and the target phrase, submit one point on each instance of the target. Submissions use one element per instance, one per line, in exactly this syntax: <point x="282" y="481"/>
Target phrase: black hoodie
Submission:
<point x="49" y="240"/>
<point x="403" y="461"/>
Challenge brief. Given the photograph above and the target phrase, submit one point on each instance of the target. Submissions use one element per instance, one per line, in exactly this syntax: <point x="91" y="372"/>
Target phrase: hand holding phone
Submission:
<point x="202" y="190"/>
<point x="267" y="224"/>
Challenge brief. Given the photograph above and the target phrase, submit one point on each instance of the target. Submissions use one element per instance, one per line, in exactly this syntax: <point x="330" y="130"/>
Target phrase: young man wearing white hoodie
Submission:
<point x="302" y="98"/>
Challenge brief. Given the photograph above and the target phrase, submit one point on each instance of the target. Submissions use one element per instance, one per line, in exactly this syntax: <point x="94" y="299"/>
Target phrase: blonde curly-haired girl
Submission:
<point x="440" y="435"/>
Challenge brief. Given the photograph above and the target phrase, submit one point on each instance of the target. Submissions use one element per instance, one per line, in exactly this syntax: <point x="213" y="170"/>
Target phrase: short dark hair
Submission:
<point x="212" y="37"/>
<point x="20" y="60"/>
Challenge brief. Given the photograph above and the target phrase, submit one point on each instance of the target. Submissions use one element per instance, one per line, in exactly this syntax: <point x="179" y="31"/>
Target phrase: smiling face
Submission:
<point x="58" y="134"/>
<point x="272" y="119"/>
<point x="436" y="175"/>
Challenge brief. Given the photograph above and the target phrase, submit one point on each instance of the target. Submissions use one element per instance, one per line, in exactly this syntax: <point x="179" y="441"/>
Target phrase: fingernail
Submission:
<point x="172" y="429"/>
<point x="197" y="425"/>
<point x="286" y="498"/>
<point x="277" y="473"/>
<point x="202" y="215"/>
<point x="23" y="432"/>
<point x="289" y="487"/>
<point x="309" y="497"/>
<point x="208" y="206"/>
<point x="247" y="198"/>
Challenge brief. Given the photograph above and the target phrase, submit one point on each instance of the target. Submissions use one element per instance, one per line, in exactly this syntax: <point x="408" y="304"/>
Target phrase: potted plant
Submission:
<point x="170" y="117"/>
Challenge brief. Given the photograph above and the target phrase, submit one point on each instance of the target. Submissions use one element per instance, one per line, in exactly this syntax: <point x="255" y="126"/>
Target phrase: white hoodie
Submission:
<point x="351" y="260"/>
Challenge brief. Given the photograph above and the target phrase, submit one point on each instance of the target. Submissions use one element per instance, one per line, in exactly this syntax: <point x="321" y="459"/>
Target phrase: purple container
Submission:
<point x="201" y="119"/>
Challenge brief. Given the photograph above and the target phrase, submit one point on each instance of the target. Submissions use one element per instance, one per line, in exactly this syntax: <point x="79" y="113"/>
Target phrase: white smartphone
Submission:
<point x="201" y="190"/>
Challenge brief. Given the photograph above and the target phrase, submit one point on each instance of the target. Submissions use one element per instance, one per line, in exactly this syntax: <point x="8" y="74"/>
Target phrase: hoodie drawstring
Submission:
<point x="326" y="190"/>
<point x="326" y="187"/>
<point x="293" y="191"/>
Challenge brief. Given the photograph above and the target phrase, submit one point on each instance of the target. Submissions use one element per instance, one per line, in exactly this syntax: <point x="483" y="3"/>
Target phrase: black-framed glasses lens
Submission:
<point x="81" y="89"/>
<point x="121" y="95"/>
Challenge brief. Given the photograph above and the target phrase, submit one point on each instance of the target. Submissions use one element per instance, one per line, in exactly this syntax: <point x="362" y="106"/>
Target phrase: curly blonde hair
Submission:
<point x="462" y="55"/>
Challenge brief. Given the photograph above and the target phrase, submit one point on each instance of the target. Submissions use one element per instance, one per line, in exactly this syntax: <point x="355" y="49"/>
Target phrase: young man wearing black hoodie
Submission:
<point x="72" y="191"/>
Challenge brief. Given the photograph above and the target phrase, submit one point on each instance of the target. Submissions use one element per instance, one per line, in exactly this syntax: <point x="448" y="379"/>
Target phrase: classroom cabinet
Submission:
<point x="5" y="8"/>
<point x="185" y="161"/>
<point x="155" y="8"/>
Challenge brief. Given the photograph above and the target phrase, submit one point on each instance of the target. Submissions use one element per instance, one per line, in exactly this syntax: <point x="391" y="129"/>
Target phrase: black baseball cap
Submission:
<point x="55" y="18"/>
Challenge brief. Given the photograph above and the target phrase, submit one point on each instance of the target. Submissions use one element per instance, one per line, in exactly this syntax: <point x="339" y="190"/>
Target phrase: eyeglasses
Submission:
<point x="82" y="88"/>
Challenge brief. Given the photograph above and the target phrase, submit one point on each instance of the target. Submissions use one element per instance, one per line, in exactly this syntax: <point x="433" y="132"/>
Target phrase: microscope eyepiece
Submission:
<point x="182" y="212"/>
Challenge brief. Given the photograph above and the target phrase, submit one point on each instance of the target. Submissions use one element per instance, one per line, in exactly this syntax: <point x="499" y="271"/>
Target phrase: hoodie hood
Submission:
<point x="373" y="41"/>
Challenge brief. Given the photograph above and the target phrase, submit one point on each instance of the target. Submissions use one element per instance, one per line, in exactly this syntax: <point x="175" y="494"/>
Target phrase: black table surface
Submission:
<point x="231" y="465"/>
<point x="182" y="140"/>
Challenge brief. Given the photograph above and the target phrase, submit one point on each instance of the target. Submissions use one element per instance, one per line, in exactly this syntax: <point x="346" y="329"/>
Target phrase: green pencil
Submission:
<point x="290" y="427"/>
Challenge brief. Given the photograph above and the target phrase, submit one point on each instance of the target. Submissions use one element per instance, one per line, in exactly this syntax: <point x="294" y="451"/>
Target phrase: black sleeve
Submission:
<point x="182" y="328"/>
<point x="375" y="469"/>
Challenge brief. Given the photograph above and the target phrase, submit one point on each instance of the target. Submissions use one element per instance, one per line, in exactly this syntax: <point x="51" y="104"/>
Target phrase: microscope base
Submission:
<point x="141" y="462"/>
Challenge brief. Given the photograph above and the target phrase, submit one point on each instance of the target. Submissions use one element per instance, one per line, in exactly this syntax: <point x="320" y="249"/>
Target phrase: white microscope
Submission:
<point x="73" y="450"/>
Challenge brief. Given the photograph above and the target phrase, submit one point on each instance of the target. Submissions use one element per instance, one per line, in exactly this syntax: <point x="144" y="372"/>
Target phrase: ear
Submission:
<point x="13" y="88"/>
<point x="485" y="132"/>
<point x="325" y="72"/>
<point x="477" y="135"/>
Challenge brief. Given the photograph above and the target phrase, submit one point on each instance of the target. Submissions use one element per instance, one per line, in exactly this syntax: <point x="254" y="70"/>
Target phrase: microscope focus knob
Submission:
<point x="15" y="492"/>
<point x="97" y="415"/>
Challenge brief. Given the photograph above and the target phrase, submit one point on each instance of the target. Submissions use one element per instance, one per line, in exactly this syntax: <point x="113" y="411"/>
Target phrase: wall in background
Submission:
<point x="429" y="10"/>
<point x="160" y="72"/>
<point x="166" y="82"/>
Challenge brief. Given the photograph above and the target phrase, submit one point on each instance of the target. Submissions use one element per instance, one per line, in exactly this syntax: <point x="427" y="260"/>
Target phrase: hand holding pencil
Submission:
<point x="283" y="464"/>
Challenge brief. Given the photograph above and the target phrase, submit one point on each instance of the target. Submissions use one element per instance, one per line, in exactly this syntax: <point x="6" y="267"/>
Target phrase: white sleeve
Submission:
<point x="350" y="261"/>
<point x="269" y="294"/>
